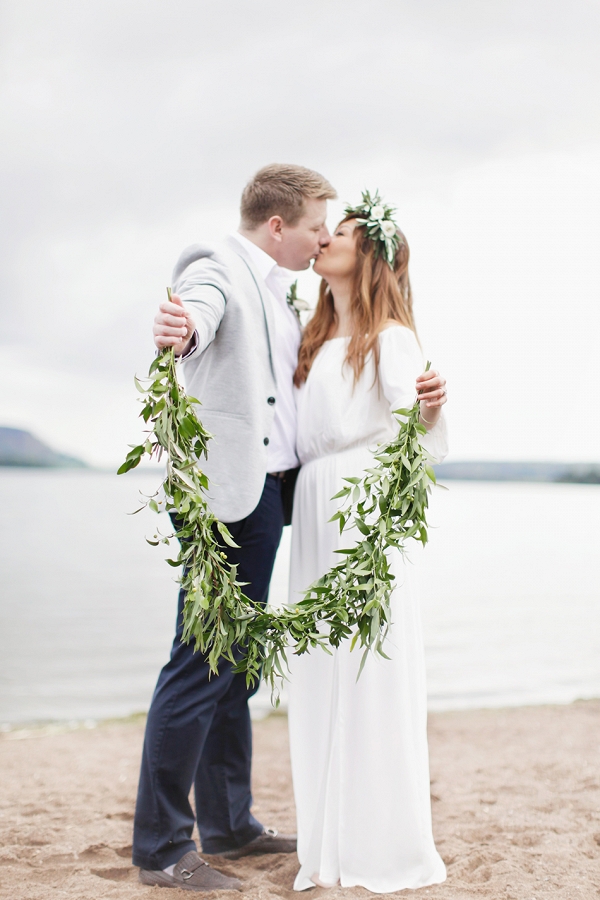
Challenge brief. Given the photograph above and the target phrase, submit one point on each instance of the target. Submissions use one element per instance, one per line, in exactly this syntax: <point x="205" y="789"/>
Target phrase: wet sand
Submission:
<point x="515" y="796"/>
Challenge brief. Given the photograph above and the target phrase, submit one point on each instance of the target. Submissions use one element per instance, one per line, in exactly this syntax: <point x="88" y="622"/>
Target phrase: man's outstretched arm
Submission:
<point x="189" y="327"/>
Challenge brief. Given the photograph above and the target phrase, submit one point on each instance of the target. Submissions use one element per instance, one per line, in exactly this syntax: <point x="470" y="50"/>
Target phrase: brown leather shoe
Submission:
<point x="270" y="841"/>
<point x="191" y="874"/>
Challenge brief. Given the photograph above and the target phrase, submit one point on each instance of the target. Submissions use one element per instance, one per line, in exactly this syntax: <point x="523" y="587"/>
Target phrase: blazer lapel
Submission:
<point x="262" y="291"/>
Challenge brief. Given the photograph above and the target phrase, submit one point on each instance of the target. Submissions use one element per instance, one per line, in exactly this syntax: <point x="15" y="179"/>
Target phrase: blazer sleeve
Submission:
<point x="400" y="362"/>
<point x="203" y="294"/>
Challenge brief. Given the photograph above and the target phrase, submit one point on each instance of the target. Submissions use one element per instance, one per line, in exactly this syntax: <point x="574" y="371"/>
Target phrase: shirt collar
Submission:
<point x="263" y="262"/>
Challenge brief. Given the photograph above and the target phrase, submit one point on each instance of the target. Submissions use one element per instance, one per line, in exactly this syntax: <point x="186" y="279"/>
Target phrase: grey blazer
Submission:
<point x="231" y="372"/>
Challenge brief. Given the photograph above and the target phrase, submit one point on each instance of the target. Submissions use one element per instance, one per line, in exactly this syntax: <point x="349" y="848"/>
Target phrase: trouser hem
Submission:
<point x="154" y="863"/>
<point x="217" y="846"/>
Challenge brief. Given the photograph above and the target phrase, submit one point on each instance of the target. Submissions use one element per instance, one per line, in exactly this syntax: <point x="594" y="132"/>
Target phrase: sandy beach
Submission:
<point x="516" y="808"/>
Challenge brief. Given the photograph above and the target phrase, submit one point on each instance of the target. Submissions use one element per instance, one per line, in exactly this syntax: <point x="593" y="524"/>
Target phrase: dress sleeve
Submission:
<point x="400" y="362"/>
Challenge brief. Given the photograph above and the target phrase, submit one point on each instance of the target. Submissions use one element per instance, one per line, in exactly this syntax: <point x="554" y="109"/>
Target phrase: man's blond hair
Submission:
<point x="282" y="190"/>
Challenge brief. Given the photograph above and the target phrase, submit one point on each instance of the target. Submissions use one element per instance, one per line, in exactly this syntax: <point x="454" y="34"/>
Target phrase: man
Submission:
<point x="230" y="323"/>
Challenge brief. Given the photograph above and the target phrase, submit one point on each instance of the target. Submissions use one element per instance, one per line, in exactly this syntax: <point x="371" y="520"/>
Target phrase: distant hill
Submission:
<point x="574" y="473"/>
<point x="20" y="448"/>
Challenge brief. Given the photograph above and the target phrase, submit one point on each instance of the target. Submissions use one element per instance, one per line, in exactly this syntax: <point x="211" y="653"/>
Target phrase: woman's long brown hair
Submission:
<point x="378" y="296"/>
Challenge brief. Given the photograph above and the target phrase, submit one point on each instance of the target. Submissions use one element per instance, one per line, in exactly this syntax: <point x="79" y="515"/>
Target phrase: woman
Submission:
<point x="359" y="747"/>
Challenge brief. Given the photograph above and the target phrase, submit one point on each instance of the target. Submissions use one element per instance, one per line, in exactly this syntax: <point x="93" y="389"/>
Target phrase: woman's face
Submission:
<point x="338" y="258"/>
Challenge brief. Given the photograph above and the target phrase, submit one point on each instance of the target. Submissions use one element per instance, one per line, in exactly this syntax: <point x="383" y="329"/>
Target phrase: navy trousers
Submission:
<point x="199" y="731"/>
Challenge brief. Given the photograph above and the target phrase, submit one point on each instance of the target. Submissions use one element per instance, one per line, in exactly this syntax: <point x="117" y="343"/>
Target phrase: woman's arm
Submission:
<point x="431" y="391"/>
<point x="401" y="360"/>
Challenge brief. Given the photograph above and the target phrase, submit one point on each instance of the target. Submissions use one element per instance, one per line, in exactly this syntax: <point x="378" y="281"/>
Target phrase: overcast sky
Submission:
<point x="130" y="128"/>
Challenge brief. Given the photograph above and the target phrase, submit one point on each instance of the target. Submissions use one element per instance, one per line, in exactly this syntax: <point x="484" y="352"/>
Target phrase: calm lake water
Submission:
<point x="510" y="595"/>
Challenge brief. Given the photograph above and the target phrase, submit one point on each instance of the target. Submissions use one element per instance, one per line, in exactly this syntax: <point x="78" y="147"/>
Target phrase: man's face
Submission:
<point x="301" y="243"/>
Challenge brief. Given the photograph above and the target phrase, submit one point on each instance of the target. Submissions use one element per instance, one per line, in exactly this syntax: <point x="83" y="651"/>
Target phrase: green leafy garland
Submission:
<point x="387" y="506"/>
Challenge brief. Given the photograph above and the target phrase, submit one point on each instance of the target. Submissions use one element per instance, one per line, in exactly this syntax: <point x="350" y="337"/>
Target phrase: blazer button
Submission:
<point x="270" y="400"/>
<point x="266" y="441"/>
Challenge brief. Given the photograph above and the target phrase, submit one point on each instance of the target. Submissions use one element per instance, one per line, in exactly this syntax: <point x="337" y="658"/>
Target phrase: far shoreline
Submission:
<point x="488" y="471"/>
<point x="40" y="728"/>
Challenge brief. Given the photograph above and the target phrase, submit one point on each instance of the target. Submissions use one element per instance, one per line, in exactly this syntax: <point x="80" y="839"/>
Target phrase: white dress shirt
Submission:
<point x="281" y="454"/>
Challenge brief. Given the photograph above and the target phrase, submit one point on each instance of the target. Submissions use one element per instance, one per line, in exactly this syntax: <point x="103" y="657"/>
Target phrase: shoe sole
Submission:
<point x="161" y="879"/>
<point x="156" y="879"/>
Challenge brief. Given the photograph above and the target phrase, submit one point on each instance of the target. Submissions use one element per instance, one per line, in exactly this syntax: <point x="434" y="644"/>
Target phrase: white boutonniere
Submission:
<point x="295" y="303"/>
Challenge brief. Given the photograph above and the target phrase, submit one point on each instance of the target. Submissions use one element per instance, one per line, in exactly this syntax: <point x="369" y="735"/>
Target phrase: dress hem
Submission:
<point x="357" y="882"/>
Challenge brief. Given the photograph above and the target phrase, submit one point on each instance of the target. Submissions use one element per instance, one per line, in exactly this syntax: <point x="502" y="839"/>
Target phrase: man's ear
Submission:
<point x="275" y="224"/>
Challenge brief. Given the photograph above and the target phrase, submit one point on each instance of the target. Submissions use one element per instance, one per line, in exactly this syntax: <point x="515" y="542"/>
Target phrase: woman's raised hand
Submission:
<point x="173" y="325"/>
<point x="431" y="392"/>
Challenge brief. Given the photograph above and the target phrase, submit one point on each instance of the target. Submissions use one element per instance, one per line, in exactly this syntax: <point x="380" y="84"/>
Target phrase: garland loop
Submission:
<point x="387" y="506"/>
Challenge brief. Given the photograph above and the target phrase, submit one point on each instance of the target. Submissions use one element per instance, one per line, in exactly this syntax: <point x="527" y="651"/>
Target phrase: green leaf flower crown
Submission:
<point x="376" y="216"/>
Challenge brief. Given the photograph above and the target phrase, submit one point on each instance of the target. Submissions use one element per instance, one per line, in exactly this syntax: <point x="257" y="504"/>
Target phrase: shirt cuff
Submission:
<point x="191" y="349"/>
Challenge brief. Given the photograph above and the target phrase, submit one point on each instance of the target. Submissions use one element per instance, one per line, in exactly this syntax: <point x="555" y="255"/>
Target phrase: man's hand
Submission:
<point x="431" y="391"/>
<point x="173" y="326"/>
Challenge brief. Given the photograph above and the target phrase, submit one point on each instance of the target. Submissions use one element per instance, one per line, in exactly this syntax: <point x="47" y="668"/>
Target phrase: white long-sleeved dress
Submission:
<point x="359" y="748"/>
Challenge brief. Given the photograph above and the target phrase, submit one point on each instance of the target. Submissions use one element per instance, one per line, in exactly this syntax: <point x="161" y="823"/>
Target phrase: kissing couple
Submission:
<point x="293" y="411"/>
